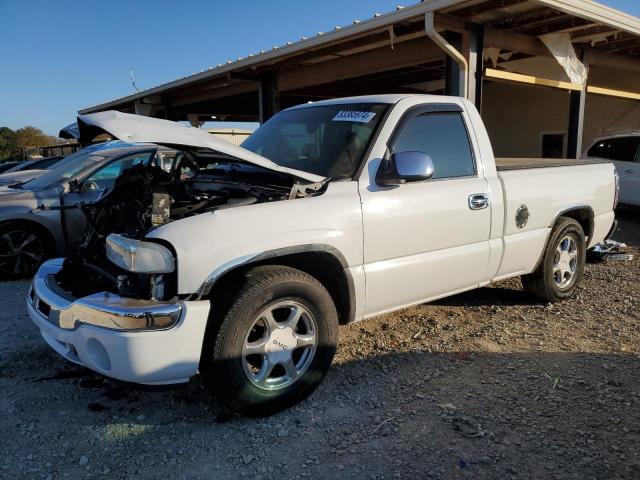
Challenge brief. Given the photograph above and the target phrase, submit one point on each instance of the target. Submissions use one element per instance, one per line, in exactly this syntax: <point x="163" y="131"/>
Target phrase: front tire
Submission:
<point x="273" y="345"/>
<point x="562" y="267"/>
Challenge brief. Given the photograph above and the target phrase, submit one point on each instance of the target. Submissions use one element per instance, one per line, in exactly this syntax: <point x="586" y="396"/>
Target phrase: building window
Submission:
<point x="553" y="145"/>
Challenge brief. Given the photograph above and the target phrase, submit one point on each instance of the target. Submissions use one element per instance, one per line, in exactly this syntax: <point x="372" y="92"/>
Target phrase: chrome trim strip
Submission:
<point x="106" y="310"/>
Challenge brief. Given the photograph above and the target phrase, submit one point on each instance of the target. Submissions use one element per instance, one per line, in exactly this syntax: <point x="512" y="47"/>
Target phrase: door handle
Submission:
<point x="478" y="201"/>
<point x="628" y="171"/>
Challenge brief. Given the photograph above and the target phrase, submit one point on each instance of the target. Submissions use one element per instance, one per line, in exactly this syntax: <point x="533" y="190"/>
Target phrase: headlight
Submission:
<point x="139" y="257"/>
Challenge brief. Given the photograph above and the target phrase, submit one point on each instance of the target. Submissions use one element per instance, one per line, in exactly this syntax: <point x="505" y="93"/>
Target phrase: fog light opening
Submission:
<point x="98" y="355"/>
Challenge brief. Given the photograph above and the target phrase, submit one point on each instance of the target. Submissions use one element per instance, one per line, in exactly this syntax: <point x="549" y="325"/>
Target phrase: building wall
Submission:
<point x="517" y="115"/>
<point x="232" y="135"/>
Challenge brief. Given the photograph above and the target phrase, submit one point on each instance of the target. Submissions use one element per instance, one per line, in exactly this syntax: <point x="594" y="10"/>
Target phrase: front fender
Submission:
<point x="209" y="244"/>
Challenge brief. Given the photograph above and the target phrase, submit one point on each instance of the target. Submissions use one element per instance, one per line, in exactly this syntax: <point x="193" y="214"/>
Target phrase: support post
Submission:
<point x="476" y="65"/>
<point x="454" y="78"/>
<point x="577" y="105"/>
<point x="268" y="97"/>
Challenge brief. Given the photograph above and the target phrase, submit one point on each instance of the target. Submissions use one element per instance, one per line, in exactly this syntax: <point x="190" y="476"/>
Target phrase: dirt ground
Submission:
<point x="488" y="384"/>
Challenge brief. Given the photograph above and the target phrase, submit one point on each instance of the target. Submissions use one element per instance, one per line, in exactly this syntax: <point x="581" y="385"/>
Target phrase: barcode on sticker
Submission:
<point x="354" y="116"/>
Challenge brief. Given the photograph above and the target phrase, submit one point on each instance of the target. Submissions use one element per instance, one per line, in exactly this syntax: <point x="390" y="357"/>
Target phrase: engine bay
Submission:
<point x="145" y="197"/>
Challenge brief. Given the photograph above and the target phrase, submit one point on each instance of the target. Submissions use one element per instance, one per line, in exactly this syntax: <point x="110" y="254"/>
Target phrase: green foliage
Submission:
<point x="7" y="143"/>
<point x="12" y="142"/>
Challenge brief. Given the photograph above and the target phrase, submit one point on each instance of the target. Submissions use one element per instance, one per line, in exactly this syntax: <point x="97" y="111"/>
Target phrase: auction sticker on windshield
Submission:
<point x="354" y="116"/>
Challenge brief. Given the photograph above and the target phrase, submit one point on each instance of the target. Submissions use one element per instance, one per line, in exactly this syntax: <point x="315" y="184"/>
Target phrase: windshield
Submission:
<point x="72" y="165"/>
<point x="44" y="163"/>
<point x="327" y="140"/>
<point x="65" y="169"/>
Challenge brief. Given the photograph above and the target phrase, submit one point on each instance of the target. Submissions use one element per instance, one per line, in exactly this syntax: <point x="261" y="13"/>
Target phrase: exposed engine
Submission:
<point x="147" y="197"/>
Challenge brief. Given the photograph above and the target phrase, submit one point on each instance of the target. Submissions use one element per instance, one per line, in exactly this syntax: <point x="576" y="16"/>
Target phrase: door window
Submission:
<point x="105" y="177"/>
<point x="622" y="149"/>
<point x="443" y="136"/>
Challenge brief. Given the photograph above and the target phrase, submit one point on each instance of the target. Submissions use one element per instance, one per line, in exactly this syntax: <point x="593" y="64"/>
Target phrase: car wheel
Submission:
<point x="23" y="248"/>
<point x="273" y="345"/>
<point x="562" y="266"/>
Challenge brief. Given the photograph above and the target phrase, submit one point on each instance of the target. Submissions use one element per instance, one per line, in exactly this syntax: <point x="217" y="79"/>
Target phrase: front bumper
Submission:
<point x="132" y="340"/>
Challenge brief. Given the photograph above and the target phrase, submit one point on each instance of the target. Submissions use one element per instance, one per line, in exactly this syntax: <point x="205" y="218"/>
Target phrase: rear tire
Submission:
<point x="272" y="346"/>
<point x="23" y="248"/>
<point x="562" y="267"/>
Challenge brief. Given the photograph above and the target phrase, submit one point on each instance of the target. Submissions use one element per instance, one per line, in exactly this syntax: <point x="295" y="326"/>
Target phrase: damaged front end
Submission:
<point x="115" y="256"/>
<point x="210" y="174"/>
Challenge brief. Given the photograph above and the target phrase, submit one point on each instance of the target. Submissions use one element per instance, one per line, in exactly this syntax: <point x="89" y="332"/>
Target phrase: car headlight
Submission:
<point x="138" y="256"/>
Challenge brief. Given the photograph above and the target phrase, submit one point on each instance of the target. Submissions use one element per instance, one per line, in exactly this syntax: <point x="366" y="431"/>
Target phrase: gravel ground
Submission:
<point x="487" y="384"/>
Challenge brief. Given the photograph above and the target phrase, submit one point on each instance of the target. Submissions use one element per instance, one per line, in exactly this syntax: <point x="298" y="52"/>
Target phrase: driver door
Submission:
<point x="426" y="239"/>
<point x="93" y="187"/>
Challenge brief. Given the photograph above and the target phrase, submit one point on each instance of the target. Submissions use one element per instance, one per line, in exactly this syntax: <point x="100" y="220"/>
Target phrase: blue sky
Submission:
<point x="60" y="56"/>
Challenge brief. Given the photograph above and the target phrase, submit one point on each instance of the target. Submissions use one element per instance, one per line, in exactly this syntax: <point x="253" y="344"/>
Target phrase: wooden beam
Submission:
<point x="476" y="65"/>
<point x="610" y="60"/>
<point x="454" y="84"/>
<point x="221" y="92"/>
<point x="268" y="97"/>
<point x="414" y="52"/>
<point x="613" y="93"/>
<point x="577" y="105"/>
<point x="517" y="42"/>
<point x="528" y="79"/>
<point x="484" y="7"/>
<point x="514" y="42"/>
<point x="514" y="22"/>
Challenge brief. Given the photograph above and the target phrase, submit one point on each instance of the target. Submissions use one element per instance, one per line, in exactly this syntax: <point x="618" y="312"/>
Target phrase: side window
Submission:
<point x="442" y="136"/>
<point x="623" y="149"/>
<point x="105" y="177"/>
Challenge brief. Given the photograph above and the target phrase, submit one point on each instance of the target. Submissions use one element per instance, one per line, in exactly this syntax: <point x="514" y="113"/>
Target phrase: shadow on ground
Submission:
<point x="628" y="230"/>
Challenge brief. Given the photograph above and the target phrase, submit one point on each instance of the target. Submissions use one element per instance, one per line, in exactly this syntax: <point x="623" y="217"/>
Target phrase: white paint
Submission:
<point x="628" y="172"/>
<point x="147" y="357"/>
<point x="403" y="245"/>
<point x="420" y="236"/>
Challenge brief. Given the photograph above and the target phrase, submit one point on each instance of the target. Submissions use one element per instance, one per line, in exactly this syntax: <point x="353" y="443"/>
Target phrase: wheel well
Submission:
<point x="323" y="266"/>
<point x="584" y="216"/>
<point x="50" y="242"/>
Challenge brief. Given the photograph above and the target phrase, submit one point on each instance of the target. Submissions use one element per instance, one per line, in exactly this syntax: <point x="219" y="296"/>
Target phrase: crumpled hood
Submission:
<point x="137" y="128"/>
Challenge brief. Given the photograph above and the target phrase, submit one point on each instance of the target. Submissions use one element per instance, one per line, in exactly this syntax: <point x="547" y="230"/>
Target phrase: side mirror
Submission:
<point x="404" y="167"/>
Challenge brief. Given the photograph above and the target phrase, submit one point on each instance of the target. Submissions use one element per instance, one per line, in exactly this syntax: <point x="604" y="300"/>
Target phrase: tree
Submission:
<point x="7" y="143"/>
<point x="32" y="137"/>
<point x="12" y="143"/>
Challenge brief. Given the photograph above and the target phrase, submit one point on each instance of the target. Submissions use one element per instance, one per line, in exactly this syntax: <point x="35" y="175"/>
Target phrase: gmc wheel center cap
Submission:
<point x="281" y="345"/>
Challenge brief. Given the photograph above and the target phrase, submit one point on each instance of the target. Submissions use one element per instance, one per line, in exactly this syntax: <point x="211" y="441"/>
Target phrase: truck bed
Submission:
<point x="503" y="164"/>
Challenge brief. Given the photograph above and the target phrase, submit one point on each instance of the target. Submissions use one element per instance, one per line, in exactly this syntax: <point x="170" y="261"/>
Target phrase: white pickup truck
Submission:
<point x="241" y="263"/>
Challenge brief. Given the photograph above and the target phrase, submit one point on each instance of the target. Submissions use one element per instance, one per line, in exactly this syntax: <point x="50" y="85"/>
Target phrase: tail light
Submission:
<point x="617" y="192"/>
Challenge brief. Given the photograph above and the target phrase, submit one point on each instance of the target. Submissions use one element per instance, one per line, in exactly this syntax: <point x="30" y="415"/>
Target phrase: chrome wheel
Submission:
<point x="565" y="262"/>
<point x="280" y="345"/>
<point x="21" y="252"/>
